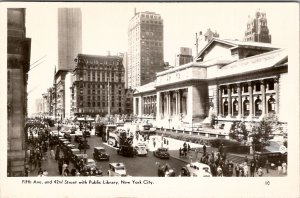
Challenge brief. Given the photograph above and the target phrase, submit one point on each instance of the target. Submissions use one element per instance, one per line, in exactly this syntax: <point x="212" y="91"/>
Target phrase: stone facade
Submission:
<point x="98" y="86"/>
<point x="220" y="82"/>
<point x="18" y="62"/>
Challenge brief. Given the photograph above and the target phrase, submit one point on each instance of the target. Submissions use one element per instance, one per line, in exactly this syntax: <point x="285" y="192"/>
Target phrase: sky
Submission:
<point x="105" y="28"/>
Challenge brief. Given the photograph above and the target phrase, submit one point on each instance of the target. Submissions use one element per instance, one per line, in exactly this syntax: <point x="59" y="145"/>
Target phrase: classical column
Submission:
<point x="263" y="95"/>
<point x="176" y="100"/>
<point x="220" y="100"/>
<point x="229" y="101"/>
<point x="250" y="99"/>
<point x="276" y="88"/>
<point x="239" y="100"/>
<point x="179" y="101"/>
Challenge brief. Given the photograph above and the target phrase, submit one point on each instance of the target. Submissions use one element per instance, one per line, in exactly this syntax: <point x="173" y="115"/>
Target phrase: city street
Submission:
<point x="136" y="166"/>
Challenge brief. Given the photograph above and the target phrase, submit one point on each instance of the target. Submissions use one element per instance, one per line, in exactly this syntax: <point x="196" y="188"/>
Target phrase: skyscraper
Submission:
<point x="145" y="48"/>
<point x="69" y="45"/>
<point x="257" y="29"/>
<point x="69" y="37"/>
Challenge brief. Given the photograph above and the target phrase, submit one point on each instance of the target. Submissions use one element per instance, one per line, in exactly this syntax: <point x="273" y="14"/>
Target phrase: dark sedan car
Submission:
<point x="128" y="151"/>
<point x="67" y="136"/>
<point x="162" y="153"/>
<point x="78" y="138"/>
<point x="86" y="133"/>
<point x="100" y="154"/>
<point x="83" y="145"/>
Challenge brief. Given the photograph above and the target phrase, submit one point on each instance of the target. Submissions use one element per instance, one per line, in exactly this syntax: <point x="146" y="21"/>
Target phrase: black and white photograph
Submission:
<point x="150" y="99"/>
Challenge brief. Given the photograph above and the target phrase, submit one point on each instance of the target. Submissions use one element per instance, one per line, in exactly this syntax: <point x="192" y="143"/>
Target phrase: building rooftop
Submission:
<point x="253" y="63"/>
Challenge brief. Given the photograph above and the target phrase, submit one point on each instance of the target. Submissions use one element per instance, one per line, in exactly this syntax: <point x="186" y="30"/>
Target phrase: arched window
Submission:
<point x="258" y="107"/>
<point x="225" y="107"/>
<point x="246" y="107"/>
<point x="235" y="108"/>
<point x="271" y="105"/>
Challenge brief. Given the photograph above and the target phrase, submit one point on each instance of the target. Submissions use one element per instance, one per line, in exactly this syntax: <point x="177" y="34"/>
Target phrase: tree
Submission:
<point x="262" y="131"/>
<point x="238" y="131"/>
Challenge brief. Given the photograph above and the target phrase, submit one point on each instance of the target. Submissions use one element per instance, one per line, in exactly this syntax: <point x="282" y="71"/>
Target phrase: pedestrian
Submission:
<point x="284" y="167"/>
<point x="154" y="143"/>
<point x="45" y="173"/>
<point x="237" y="170"/>
<point x="260" y="172"/>
<point x="245" y="170"/>
<point x="252" y="168"/>
<point x="279" y="167"/>
<point x="219" y="172"/>
<point x="204" y="148"/>
<point x="267" y="166"/>
<point x="246" y="159"/>
<point x="189" y="147"/>
<point x="221" y="149"/>
<point x="180" y="152"/>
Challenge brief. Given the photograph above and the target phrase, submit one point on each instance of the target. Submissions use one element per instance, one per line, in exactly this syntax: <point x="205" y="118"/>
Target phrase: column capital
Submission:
<point x="249" y="83"/>
<point x="276" y="79"/>
<point x="228" y="86"/>
<point x="262" y="82"/>
<point x="238" y="85"/>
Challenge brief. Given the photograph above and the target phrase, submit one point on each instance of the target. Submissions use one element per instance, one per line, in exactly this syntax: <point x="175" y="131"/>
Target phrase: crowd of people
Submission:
<point x="222" y="167"/>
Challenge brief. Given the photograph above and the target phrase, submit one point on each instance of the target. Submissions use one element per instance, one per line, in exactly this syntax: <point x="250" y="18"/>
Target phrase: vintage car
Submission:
<point x="100" y="154"/>
<point x="78" y="138"/>
<point x="80" y="156"/>
<point x="141" y="150"/>
<point x="195" y="169"/>
<point x="68" y="136"/>
<point x="86" y="133"/>
<point x="90" y="164"/>
<point x="73" y="129"/>
<point x="162" y="153"/>
<point x="127" y="151"/>
<point x="83" y="145"/>
<point x="145" y="144"/>
<point x="117" y="169"/>
<point x="72" y="154"/>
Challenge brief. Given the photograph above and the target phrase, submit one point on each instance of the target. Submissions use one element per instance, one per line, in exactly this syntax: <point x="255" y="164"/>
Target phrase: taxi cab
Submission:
<point x="117" y="170"/>
<point x="141" y="150"/>
<point x="196" y="169"/>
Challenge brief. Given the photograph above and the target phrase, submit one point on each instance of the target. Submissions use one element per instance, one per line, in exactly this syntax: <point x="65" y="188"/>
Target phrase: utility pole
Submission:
<point x="197" y="43"/>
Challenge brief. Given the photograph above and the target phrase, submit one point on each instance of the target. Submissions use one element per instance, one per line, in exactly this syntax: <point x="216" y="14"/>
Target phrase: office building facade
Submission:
<point x="98" y="86"/>
<point x="145" y="48"/>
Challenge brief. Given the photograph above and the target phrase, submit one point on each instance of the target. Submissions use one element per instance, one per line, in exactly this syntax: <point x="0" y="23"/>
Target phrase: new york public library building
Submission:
<point x="233" y="80"/>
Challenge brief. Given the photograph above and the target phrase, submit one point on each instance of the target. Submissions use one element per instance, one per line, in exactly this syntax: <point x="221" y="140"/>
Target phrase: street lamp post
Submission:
<point x="84" y="135"/>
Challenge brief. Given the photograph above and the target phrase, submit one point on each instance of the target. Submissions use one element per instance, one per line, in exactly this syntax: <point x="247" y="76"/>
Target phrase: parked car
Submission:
<point x="195" y="169"/>
<point x="117" y="169"/>
<point x="90" y="164"/>
<point x="127" y="151"/>
<point x="78" y="138"/>
<point x="73" y="130"/>
<point x="72" y="154"/>
<point x="83" y="145"/>
<point x="68" y="136"/>
<point x="100" y="154"/>
<point x="86" y="133"/>
<point x="141" y="150"/>
<point x="162" y="153"/>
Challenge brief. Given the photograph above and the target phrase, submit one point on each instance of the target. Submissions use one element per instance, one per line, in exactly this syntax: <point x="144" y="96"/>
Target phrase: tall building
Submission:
<point x="257" y="29"/>
<point x="145" y="48"/>
<point x="18" y="65"/>
<point x="184" y="56"/>
<point x="98" y="86"/>
<point x="69" y="45"/>
<point x="69" y="37"/>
